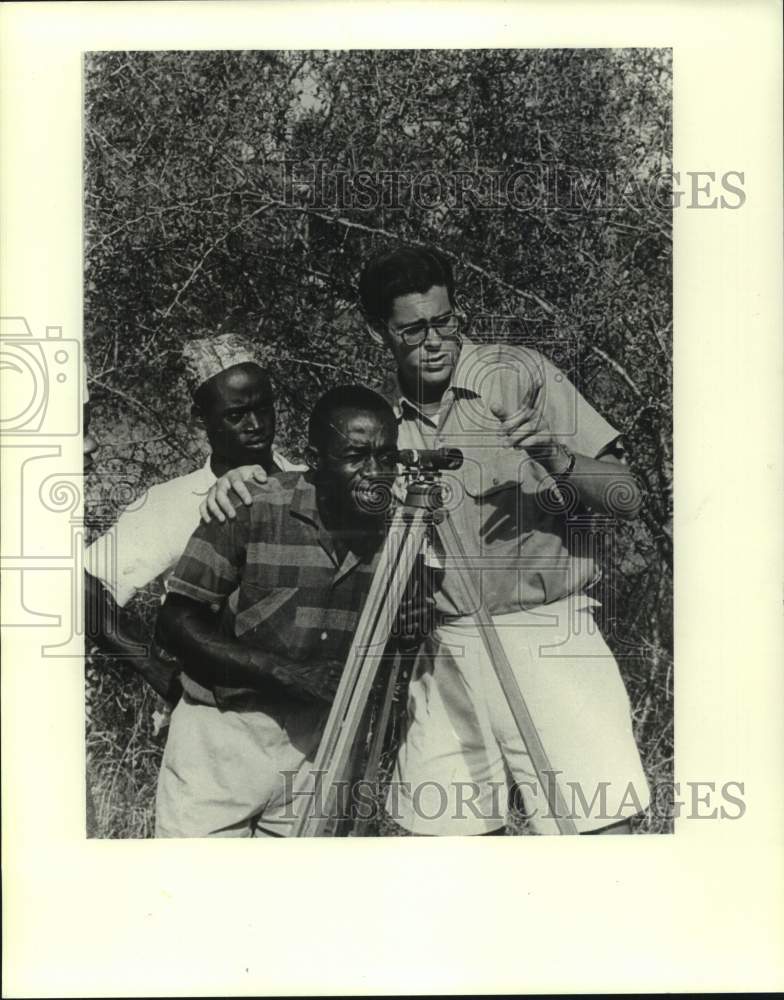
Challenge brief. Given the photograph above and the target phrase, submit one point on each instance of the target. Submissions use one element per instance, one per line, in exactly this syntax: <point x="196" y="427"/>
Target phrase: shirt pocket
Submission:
<point x="487" y="471"/>
<point x="502" y="493"/>
<point x="262" y="611"/>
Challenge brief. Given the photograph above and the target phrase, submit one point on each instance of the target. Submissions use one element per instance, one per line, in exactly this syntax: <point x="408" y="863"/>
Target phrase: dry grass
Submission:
<point x="123" y="756"/>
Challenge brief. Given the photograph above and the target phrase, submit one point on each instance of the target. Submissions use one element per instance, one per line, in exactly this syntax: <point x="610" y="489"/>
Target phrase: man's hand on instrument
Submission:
<point x="317" y="679"/>
<point x="217" y="503"/>
<point x="415" y="620"/>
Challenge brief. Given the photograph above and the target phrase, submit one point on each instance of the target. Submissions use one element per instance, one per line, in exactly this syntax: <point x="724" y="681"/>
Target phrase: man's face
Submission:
<point x="425" y="370"/>
<point x="239" y="414"/>
<point x="358" y="462"/>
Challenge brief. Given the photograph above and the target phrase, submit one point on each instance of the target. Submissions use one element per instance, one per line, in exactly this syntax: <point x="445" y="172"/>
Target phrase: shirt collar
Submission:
<point x="303" y="502"/>
<point x="304" y="505"/>
<point x="305" y="508"/>
<point x="279" y="460"/>
<point x="200" y="480"/>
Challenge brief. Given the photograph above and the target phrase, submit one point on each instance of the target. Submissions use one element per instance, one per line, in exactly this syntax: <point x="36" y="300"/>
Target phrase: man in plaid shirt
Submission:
<point x="542" y="469"/>
<point x="262" y="610"/>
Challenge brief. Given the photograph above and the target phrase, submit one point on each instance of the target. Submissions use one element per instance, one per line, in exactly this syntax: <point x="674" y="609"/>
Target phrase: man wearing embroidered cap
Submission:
<point x="232" y="399"/>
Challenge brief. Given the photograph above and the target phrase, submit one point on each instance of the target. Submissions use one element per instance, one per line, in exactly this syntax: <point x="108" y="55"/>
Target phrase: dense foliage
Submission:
<point x="243" y="190"/>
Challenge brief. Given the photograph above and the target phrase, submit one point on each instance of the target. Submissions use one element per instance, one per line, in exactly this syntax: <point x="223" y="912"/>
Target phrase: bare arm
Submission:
<point x="110" y="629"/>
<point x="189" y="630"/>
<point x="604" y="485"/>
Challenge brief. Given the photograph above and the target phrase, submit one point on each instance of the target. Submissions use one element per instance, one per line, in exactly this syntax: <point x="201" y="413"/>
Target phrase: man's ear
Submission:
<point x="312" y="458"/>
<point x="197" y="418"/>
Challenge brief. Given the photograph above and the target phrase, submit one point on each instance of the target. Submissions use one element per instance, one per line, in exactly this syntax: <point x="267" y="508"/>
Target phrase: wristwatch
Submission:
<point x="567" y="471"/>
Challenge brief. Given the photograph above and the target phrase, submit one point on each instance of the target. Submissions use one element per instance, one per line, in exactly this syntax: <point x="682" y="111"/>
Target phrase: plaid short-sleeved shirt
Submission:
<point x="274" y="574"/>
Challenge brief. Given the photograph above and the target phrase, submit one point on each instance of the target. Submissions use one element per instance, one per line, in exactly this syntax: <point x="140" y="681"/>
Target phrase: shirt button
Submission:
<point x="323" y="635"/>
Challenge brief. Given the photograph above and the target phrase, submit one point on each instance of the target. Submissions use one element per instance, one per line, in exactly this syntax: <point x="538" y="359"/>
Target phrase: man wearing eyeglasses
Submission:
<point x="536" y="454"/>
<point x="538" y="459"/>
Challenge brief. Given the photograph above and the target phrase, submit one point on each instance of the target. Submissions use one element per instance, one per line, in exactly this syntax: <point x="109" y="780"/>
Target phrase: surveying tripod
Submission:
<point x="413" y="523"/>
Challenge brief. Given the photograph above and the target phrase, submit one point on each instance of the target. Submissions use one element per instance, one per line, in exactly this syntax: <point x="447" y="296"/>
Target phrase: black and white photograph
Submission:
<point x="296" y="264"/>
<point x="390" y="437"/>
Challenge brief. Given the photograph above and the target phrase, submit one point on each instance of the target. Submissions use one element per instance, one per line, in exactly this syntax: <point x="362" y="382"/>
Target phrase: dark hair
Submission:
<point x="344" y="397"/>
<point x="401" y="271"/>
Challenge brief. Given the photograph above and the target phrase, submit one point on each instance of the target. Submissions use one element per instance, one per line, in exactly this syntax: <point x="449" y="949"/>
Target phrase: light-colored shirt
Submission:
<point x="525" y="549"/>
<point x="146" y="542"/>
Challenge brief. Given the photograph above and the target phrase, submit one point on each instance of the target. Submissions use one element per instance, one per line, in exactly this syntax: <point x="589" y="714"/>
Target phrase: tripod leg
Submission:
<point x="545" y="774"/>
<point x="379" y="734"/>
<point x="372" y="657"/>
<point x="403" y="544"/>
<point x="367" y="623"/>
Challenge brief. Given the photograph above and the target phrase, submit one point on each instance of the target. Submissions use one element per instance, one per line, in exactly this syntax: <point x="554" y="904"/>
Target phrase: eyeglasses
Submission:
<point x="416" y="334"/>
